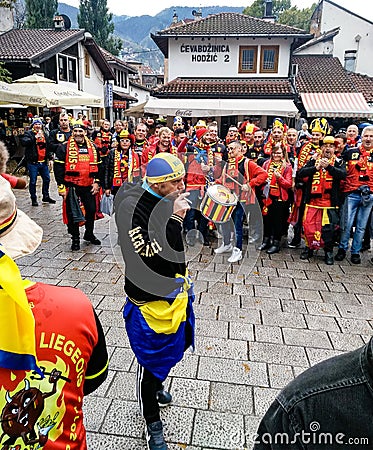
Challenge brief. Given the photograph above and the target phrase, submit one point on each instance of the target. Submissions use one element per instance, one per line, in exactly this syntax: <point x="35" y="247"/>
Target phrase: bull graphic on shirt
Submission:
<point x="22" y="411"/>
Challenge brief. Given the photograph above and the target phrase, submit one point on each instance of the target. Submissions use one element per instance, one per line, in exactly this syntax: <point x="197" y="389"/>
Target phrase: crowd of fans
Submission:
<point x="318" y="183"/>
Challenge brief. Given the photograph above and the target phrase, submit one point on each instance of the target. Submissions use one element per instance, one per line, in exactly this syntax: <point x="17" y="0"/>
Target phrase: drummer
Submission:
<point x="242" y="176"/>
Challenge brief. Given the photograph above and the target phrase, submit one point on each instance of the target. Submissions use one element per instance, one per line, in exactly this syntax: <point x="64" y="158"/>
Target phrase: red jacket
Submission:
<point x="285" y="182"/>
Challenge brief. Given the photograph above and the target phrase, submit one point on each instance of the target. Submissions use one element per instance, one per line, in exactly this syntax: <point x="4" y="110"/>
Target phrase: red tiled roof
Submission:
<point x="321" y="73"/>
<point x="363" y="84"/>
<point x="28" y="44"/>
<point x="112" y="58"/>
<point x="230" y="23"/>
<point x="226" y="87"/>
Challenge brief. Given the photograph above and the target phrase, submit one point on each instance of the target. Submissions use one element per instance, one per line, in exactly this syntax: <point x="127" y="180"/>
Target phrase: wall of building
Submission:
<point x="219" y="57"/>
<point x="351" y="27"/>
<point x="321" y="48"/>
<point x="6" y="19"/>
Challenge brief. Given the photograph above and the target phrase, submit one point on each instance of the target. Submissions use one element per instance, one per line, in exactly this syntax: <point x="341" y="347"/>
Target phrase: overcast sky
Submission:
<point x="132" y="8"/>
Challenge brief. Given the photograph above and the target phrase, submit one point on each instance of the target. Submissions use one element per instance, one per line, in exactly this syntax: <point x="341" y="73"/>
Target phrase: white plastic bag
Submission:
<point x="106" y="205"/>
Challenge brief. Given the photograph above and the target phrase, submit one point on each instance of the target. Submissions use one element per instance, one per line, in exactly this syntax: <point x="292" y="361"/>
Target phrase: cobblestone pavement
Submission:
<point x="259" y="324"/>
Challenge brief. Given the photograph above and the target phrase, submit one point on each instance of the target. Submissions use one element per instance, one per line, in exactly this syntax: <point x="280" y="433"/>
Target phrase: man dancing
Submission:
<point x="158" y="312"/>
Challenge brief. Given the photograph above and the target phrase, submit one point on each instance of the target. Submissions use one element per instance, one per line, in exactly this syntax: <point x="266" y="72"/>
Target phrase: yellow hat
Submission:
<point x="321" y="125"/>
<point x="164" y="167"/>
<point x="329" y="140"/>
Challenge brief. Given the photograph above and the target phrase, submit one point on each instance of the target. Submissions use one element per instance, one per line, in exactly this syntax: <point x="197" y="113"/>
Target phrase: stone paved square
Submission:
<point x="257" y="328"/>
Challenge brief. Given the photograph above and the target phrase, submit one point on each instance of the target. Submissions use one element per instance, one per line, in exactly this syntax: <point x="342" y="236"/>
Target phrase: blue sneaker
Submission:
<point x="164" y="398"/>
<point x="154" y="436"/>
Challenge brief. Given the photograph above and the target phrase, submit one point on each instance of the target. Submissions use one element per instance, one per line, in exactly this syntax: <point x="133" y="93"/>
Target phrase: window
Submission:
<point x="67" y="68"/>
<point x="72" y="70"/>
<point x="87" y="64"/>
<point x="62" y="68"/>
<point x="248" y="57"/>
<point x="269" y="59"/>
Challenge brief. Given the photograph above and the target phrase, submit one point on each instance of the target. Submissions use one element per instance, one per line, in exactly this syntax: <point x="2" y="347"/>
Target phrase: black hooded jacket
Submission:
<point x="150" y="236"/>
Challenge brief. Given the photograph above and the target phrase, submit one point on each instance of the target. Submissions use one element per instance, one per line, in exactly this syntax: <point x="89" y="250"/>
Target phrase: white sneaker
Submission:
<point x="223" y="249"/>
<point x="235" y="256"/>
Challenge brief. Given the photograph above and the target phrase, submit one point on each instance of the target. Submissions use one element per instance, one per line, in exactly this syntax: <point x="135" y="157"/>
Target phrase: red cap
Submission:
<point x="201" y="132"/>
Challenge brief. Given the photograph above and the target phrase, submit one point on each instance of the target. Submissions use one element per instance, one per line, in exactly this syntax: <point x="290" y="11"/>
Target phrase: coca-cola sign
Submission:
<point x="183" y="112"/>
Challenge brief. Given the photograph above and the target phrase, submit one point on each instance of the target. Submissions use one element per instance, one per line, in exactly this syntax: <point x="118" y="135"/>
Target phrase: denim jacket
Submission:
<point x="328" y="407"/>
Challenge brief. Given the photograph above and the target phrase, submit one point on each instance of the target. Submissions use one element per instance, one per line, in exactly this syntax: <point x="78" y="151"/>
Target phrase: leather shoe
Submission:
<point x="92" y="239"/>
<point x="306" y="253"/>
<point x="275" y="248"/>
<point x="265" y="244"/>
<point x="75" y="245"/>
<point x="329" y="258"/>
<point x="34" y="203"/>
<point x="341" y="255"/>
<point x="49" y="200"/>
<point x="355" y="258"/>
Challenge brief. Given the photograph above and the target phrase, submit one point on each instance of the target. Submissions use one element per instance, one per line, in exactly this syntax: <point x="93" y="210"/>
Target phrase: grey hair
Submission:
<point x="370" y="128"/>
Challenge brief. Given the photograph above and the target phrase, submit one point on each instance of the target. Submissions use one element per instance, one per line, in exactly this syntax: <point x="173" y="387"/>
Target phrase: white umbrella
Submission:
<point x="10" y="95"/>
<point x="41" y="91"/>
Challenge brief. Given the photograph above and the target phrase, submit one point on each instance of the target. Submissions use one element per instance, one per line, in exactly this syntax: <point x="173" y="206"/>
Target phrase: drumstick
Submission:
<point x="234" y="180"/>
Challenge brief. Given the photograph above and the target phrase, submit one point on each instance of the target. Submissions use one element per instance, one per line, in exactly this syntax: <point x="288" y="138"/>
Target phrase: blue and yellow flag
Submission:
<point x="17" y="324"/>
<point x="160" y="331"/>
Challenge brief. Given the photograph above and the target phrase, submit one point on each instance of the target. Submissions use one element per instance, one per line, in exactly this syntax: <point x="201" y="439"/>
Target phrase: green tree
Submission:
<point x="5" y="75"/>
<point x="94" y="17"/>
<point x="299" y="18"/>
<point x="40" y="13"/>
<point x="256" y="9"/>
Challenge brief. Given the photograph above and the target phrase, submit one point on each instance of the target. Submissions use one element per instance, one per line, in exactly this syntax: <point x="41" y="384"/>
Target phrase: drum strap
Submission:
<point x="247" y="161"/>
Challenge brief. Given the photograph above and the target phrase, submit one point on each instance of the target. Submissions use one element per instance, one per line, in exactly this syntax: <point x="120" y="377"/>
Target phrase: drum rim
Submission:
<point x="234" y="203"/>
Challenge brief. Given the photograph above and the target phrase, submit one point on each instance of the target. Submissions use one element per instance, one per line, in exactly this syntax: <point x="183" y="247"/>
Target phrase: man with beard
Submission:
<point x="37" y="155"/>
<point x="61" y="134"/>
<point x="323" y="173"/>
<point x="78" y="172"/>
<point x="102" y="140"/>
<point x="319" y="128"/>
<point x="202" y="169"/>
<point x="358" y="189"/>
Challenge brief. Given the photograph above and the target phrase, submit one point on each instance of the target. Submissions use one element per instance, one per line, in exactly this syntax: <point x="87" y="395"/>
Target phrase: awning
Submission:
<point x="136" y="110"/>
<point x="124" y="95"/>
<point x="193" y="107"/>
<point x="336" y="104"/>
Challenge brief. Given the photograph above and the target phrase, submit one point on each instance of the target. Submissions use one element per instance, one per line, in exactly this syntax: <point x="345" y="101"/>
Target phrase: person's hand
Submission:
<point x="324" y="162"/>
<point x="107" y="192"/>
<point x="205" y="168"/>
<point x="182" y="205"/>
<point x="218" y="157"/>
<point x="277" y="174"/>
<point x="246" y="188"/>
<point x="95" y="188"/>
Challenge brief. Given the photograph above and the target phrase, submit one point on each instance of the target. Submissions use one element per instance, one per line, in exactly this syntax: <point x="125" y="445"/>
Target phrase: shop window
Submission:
<point x="66" y="68"/>
<point x="269" y="58"/>
<point x="247" y="60"/>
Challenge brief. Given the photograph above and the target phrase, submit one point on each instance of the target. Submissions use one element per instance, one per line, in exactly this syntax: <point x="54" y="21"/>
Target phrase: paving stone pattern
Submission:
<point x="259" y="324"/>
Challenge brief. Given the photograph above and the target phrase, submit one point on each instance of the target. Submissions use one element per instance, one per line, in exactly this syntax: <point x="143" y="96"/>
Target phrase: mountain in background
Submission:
<point x="135" y="31"/>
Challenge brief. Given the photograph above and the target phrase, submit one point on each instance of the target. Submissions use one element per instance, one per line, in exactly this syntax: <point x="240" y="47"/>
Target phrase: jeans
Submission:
<point x="237" y="217"/>
<point x="354" y="207"/>
<point x="34" y="169"/>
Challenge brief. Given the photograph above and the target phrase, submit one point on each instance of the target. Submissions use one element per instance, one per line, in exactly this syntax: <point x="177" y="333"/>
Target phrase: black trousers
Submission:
<point x="276" y="219"/>
<point x="89" y="202"/>
<point x="147" y="386"/>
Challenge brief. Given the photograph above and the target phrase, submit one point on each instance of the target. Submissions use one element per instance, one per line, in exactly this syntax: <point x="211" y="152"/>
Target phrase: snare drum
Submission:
<point x="218" y="203"/>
